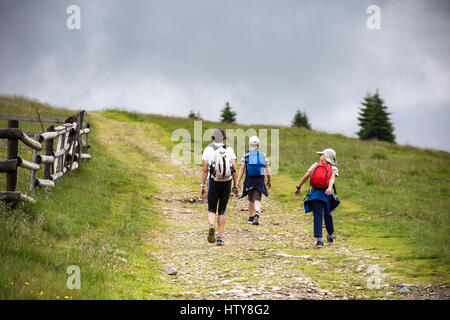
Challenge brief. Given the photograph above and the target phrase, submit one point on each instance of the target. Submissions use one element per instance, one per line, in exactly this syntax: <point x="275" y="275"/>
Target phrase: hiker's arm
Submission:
<point x="204" y="175"/>
<point x="241" y="173"/>
<point x="269" y="176"/>
<point x="302" y="182"/>
<point x="303" y="179"/>
<point x="204" y="172"/>
<point x="330" y="185"/>
<point x="236" y="190"/>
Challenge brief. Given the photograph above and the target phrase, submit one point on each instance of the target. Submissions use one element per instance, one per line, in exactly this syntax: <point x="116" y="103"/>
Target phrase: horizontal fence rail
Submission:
<point x="30" y="119"/>
<point x="68" y="155"/>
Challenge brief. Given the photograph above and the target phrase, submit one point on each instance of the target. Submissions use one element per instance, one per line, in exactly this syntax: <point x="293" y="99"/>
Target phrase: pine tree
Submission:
<point x="228" y="115"/>
<point x="374" y="120"/>
<point x="194" y="115"/>
<point x="301" y="120"/>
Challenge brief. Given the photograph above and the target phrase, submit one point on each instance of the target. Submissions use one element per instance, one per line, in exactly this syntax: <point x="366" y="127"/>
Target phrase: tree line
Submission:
<point x="373" y="118"/>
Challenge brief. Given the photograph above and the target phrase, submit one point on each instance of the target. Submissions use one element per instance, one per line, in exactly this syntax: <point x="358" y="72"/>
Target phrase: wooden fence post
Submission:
<point x="12" y="153"/>
<point x="33" y="173"/>
<point x="49" y="152"/>
<point x="72" y="139"/>
<point x="58" y="147"/>
<point x="86" y="125"/>
<point x="79" y="120"/>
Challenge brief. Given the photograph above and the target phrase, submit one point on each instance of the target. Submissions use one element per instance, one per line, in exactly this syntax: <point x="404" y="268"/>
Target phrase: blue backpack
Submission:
<point x="255" y="163"/>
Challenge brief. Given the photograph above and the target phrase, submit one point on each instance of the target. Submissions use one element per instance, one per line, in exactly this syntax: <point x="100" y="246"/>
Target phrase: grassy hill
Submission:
<point x="394" y="205"/>
<point x="399" y="193"/>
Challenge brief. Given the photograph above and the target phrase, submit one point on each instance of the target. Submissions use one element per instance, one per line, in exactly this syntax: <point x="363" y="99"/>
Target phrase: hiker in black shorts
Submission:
<point x="254" y="162"/>
<point x="219" y="162"/>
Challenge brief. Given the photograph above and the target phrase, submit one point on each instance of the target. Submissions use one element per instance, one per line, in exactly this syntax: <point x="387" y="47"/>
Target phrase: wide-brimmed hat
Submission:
<point x="330" y="156"/>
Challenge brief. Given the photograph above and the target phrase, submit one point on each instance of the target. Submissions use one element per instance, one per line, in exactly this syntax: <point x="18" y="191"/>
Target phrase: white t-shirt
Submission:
<point x="208" y="153"/>
<point x="334" y="169"/>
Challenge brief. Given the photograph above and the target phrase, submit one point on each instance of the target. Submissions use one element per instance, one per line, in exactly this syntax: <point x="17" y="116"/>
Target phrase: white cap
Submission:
<point x="254" y="141"/>
<point x="330" y="156"/>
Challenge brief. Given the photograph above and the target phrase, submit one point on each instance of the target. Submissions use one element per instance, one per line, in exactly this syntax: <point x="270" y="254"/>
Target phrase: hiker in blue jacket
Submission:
<point x="254" y="162"/>
<point x="321" y="200"/>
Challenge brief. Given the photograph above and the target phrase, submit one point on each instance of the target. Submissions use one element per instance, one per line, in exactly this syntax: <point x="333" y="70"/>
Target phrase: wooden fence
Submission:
<point x="70" y="151"/>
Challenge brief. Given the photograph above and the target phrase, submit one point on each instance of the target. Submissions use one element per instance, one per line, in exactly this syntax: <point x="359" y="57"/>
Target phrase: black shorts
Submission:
<point x="218" y="193"/>
<point x="254" y="195"/>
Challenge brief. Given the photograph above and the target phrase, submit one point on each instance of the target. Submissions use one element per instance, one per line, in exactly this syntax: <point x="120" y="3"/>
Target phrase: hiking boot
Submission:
<point x="219" y="241"/>
<point x="256" y="220"/>
<point x="319" y="243"/>
<point x="212" y="234"/>
<point x="250" y="220"/>
<point x="330" y="238"/>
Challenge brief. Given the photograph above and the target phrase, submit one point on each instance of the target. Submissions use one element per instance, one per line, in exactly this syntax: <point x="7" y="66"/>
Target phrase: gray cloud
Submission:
<point x="267" y="58"/>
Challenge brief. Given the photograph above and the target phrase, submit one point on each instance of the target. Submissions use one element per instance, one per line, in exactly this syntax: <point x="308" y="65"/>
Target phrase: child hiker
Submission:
<point x="253" y="163"/>
<point x="322" y="175"/>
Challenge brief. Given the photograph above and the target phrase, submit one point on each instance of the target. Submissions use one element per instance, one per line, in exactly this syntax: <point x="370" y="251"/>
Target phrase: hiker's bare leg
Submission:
<point x="257" y="206"/>
<point x="211" y="217"/>
<point x="251" y="208"/>
<point x="221" y="223"/>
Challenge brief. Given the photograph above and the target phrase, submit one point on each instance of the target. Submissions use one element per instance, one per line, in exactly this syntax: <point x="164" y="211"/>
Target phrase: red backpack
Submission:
<point x="321" y="175"/>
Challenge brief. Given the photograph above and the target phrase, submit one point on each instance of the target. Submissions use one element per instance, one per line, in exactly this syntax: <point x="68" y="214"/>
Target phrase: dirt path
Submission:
<point x="276" y="260"/>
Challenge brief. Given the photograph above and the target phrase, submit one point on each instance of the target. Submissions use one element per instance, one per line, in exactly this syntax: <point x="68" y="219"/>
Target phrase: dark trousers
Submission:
<point x="218" y="193"/>
<point x="320" y="213"/>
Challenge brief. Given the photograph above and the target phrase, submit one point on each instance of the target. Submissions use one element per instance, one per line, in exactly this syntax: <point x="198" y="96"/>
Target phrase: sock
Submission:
<point x="256" y="213"/>
<point x="319" y="239"/>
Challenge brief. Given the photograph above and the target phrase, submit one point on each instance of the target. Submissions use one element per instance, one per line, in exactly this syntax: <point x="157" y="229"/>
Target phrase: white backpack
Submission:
<point x="221" y="168"/>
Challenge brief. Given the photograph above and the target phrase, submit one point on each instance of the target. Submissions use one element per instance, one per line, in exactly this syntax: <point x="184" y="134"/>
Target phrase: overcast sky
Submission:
<point x="267" y="58"/>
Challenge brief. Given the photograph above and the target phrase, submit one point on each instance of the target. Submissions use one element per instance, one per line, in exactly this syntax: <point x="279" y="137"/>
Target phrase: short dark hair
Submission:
<point x="222" y="131"/>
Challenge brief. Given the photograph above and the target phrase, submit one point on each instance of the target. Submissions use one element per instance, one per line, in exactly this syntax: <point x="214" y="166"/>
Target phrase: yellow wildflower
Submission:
<point x="27" y="283"/>
<point x="41" y="293"/>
